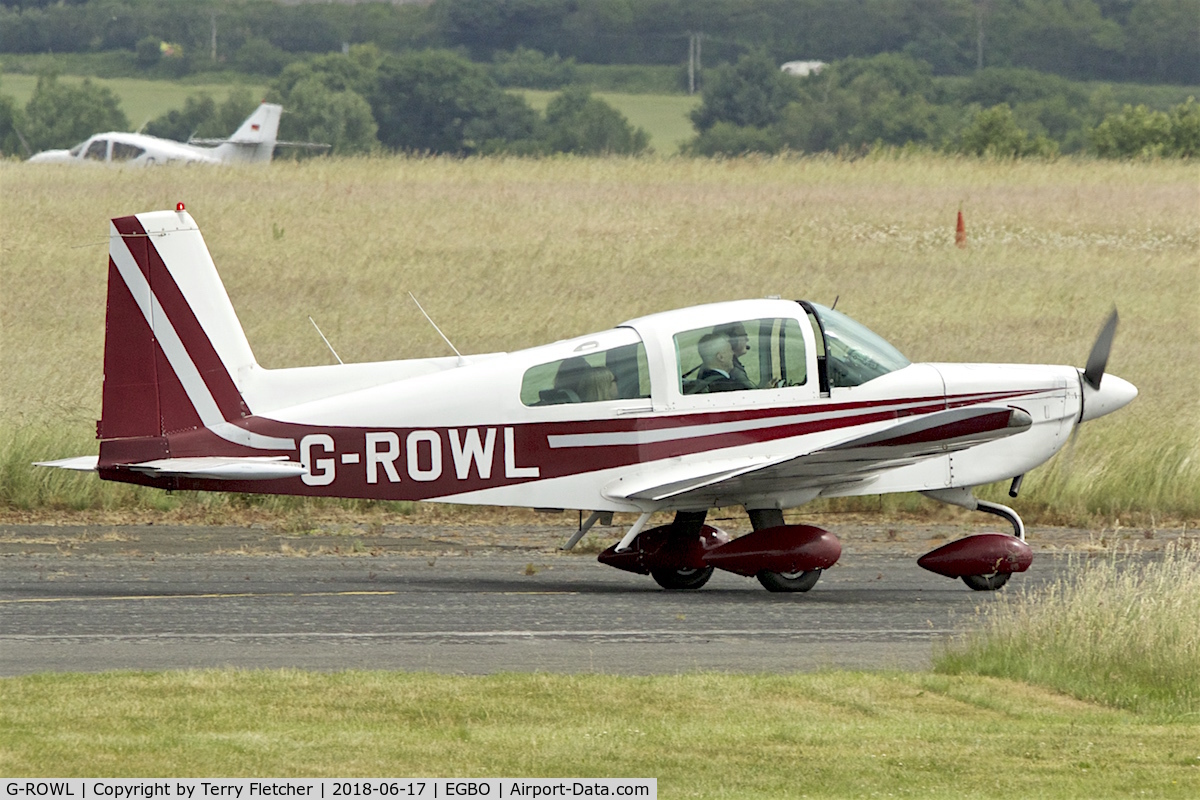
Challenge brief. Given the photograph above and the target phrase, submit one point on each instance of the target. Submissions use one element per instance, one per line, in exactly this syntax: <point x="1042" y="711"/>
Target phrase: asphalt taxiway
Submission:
<point x="111" y="598"/>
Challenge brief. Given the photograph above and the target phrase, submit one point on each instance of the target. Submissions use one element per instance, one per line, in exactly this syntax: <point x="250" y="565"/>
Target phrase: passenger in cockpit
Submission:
<point x="569" y="374"/>
<point x="598" y="383"/>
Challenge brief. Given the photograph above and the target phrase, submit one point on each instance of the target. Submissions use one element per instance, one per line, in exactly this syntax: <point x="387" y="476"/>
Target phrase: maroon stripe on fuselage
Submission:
<point x="531" y="448"/>
<point x="199" y="348"/>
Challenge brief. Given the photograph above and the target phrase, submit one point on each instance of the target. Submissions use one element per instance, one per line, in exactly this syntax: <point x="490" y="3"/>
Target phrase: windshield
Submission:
<point x="854" y="353"/>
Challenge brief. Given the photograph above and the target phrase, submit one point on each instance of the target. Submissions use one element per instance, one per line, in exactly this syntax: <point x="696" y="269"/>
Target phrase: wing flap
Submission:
<point x="657" y="484"/>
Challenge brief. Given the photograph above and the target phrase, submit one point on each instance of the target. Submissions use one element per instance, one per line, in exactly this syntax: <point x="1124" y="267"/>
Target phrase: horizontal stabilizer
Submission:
<point x="250" y="468"/>
<point x="78" y="463"/>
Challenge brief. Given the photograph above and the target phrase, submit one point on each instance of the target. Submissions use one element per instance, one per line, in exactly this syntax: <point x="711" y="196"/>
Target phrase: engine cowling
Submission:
<point x="783" y="549"/>
<point x="663" y="548"/>
<point x="981" y="554"/>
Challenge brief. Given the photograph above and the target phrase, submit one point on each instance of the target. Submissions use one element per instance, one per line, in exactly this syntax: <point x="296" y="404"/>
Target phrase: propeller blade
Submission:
<point x="1098" y="358"/>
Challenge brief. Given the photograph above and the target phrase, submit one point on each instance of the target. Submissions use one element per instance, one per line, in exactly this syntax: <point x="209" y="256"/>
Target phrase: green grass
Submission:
<point x="664" y="116"/>
<point x="700" y="735"/>
<point x="141" y="100"/>
<point x="1123" y="633"/>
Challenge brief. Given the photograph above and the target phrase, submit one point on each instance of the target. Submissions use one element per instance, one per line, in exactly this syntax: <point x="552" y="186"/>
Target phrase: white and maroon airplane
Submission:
<point x="812" y="404"/>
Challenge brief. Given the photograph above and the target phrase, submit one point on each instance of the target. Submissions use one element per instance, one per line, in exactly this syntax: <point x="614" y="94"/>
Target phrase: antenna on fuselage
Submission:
<point x="326" y="341"/>
<point x="834" y="306"/>
<point x="436" y="328"/>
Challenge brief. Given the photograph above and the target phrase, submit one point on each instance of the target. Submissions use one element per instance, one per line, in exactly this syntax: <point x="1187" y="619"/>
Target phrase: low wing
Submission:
<point x="850" y="461"/>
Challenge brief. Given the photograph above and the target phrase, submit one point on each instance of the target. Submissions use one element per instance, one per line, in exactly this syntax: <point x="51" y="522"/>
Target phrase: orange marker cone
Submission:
<point x="960" y="232"/>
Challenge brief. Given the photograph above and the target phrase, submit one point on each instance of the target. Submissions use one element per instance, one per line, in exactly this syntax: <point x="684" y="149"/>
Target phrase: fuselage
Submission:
<point x="253" y="142"/>
<point x="508" y="429"/>
<point x="135" y="149"/>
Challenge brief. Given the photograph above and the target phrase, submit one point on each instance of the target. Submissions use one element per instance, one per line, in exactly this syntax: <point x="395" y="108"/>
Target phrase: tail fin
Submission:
<point x="254" y="141"/>
<point x="173" y="345"/>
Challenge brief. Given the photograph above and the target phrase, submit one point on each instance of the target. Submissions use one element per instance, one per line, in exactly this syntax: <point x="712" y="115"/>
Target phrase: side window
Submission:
<point x="620" y="373"/>
<point x="741" y="356"/>
<point x="125" y="152"/>
<point x="97" y="150"/>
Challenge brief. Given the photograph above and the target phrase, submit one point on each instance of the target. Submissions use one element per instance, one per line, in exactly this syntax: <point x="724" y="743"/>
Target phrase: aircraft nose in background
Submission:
<point x="1114" y="393"/>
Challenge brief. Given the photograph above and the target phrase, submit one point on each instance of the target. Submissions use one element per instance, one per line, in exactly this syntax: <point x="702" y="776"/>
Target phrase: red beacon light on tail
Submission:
<point x="179" y="207"/>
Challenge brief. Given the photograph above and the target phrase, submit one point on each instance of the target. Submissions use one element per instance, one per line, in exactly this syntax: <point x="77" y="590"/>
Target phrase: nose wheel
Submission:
<point x="984" y="561"/>
<point x="986" y="583"/>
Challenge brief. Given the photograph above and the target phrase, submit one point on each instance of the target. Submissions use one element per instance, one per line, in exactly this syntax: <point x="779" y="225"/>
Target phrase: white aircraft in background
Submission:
<point x="767" y="404"/>
<point x="252" y="143"/>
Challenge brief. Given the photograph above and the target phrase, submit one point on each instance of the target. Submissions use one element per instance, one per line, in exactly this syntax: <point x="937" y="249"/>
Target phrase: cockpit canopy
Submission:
<point x="742" y="346"/>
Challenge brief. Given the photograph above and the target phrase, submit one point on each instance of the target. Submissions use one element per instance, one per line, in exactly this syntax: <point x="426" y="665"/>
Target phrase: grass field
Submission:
<point x="664" y="116"/>
<point x="141" y="100"/>
<point x="700" y="735"/>
<point x="1113" y="630"/>
<point x="506" y="254"/>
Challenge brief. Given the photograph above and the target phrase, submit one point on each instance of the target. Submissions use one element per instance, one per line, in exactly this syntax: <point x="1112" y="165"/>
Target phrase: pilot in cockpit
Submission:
<point x="716" y="365"/>
<point x="739" y="342"/>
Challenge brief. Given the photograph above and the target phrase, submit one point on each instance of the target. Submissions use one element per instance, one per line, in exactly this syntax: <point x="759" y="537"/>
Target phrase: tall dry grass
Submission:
<point x="511" y="253"/>
<point x="1116" y="630"/>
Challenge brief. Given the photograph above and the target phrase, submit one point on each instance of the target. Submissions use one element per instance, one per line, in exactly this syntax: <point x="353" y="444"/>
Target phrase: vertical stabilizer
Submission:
<point x="254" y="141"/>
<point x="173" y="345"/>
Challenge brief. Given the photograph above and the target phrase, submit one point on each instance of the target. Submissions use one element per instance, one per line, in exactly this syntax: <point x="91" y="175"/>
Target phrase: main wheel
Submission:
<point x="789" y="581"/>
<point x="987" y="583"/>
<point x="681" y="579"/>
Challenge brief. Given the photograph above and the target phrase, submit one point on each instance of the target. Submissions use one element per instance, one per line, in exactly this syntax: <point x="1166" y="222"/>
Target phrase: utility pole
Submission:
<point x="980" y="11"/>
<point x="693" y="59"/>
<point x="214" y="36"/>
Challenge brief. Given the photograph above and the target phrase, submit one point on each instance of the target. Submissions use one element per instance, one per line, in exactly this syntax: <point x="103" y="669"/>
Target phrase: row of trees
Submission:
<point x="418" y="101"/>
<point x="437" y="101"/>
<point x="892" y="99"/>
<point x="1148" y="40"/>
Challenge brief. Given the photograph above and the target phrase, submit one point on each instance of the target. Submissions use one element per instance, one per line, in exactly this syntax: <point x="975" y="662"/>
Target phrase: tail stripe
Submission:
<point x="196" y="341"/>
<point x="177" y="355"/>
<point x="164" y="332"/>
